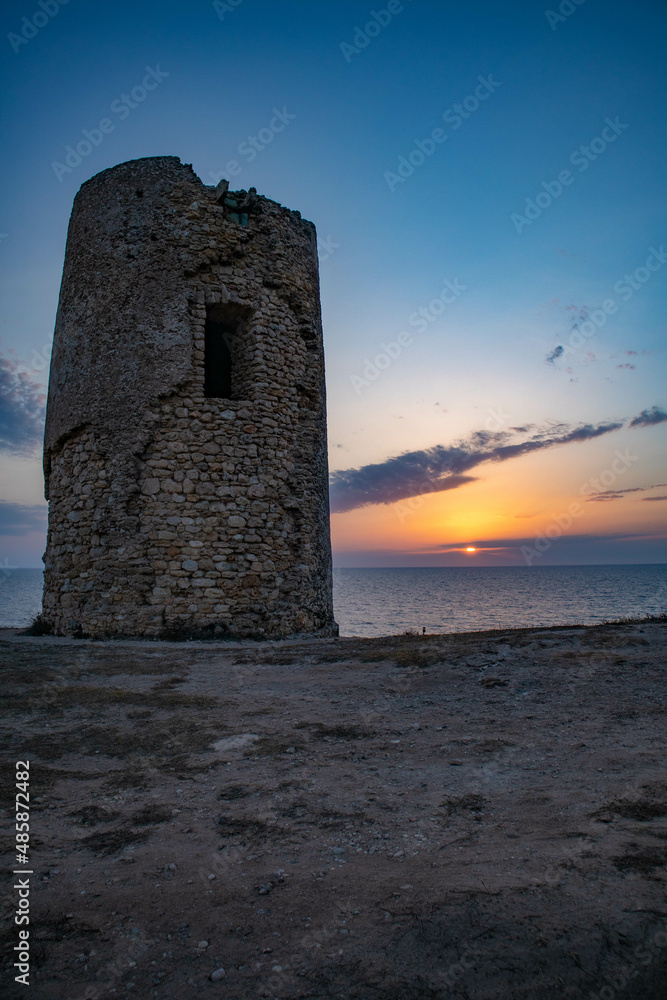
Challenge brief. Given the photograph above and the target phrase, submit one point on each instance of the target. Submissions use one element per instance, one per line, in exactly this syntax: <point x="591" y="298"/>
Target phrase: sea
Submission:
<point x="375" y="602"/>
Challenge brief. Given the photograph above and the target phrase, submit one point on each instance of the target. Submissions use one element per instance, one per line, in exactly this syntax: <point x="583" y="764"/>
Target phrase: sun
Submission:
<point x="471" y="548"/>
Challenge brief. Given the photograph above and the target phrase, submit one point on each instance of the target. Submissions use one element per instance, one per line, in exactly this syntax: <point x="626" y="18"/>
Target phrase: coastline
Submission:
<point x="465" y="815"/>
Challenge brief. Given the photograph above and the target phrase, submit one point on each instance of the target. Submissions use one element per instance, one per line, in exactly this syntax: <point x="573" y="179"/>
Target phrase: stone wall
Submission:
<point x="173" y="514"/>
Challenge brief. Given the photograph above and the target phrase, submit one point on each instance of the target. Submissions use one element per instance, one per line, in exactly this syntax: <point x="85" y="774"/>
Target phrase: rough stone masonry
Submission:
<point x="185" y="450"/>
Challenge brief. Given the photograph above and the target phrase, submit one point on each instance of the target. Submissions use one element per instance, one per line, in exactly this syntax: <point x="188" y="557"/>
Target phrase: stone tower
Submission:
<point x="185" y="450"/>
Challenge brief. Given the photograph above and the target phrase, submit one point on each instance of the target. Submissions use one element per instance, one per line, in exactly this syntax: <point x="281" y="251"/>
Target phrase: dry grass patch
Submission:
<point x="462" y="803"/>
<point x="247" y="827"/>
<point x="93" y="815"/>
<point x="336" y="732"/>
<point x="650" y="805"/>
<point x="642" y="862"/>
<point x="114" y="841"/>
<point x="233" y="792"/>
<point x="125" y="778"/>
<point x="60" y="697"/>
<point x="272" y="746"/>
<point x="153" y="813"/>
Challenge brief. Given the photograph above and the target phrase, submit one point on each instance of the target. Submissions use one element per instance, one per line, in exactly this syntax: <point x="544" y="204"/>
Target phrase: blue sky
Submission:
<point x="388" y="247"/>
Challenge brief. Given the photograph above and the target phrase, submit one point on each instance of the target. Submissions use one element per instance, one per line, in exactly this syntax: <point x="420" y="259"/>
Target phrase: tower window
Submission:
<point x="228" y="352"/>
<point x="218" y="340"/>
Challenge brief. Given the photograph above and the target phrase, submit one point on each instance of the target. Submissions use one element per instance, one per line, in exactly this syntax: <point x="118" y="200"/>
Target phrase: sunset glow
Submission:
<point x="513" y="505"/>
<point x="495" y="350"/>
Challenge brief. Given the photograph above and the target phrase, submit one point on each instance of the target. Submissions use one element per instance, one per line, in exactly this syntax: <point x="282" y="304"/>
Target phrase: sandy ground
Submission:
<point x="478" y="816"/>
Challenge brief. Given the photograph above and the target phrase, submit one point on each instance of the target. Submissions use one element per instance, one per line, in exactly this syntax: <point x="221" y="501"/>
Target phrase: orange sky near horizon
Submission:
<point x="512" y="501"/>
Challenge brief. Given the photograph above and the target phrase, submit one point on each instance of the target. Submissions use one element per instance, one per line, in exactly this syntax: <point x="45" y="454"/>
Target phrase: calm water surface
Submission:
<point x="372" y="602"/>
<point x="20" y="596"/>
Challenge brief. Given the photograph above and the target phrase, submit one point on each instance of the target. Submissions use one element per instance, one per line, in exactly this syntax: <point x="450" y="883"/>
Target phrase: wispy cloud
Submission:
<point x="555" y="354"/>
<point x="606" y="495"/>
<point x="649" y="417"/>
<point x="500" y="544"/>
<point x="573" y="549"/>
<point x="442" y="467"/>
<point x="22" y="410"/>
<point x="21" y="519"/>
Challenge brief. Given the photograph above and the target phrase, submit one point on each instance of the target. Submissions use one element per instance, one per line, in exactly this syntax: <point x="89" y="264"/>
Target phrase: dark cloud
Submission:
<point x="619" y="494"/>
<point x="649" y="417"/>
<point x="569" y="549"/>
<point x="571" y="538"/>
<point x="21" y="519"/>
<point x="445" y="467"/>
<point x="22" y="410"/>
<point x="604" y="497"/>
<point x="654" y="498"/>
<point x="555" y="354"/>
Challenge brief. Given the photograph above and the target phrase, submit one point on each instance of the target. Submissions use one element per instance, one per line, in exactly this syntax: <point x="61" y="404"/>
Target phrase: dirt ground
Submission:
<point x="479" y="816"/>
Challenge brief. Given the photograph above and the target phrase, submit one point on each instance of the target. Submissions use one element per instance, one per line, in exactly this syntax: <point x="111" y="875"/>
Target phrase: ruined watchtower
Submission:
<point x="185" y="451"/>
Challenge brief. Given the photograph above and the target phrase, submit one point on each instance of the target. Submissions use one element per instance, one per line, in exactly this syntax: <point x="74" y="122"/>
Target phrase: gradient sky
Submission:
<point x="496" y="413"/>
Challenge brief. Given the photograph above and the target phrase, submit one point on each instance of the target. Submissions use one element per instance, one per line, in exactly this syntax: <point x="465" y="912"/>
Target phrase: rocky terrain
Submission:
<point x="479" y="816"/>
